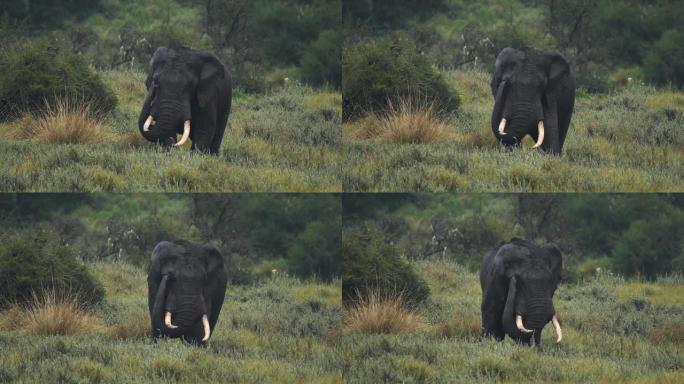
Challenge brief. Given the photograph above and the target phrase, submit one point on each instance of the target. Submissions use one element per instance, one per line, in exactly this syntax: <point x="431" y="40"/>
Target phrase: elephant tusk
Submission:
<point x="519" y="324"/>
<point x="540" y="137"/>
<point x="148" y="122"/>
<point x="557" y="328"/>
<point x="186" y="134"/>
<point x="502" y="126"/>
<point x="167" y="321"/>
<point x="207" y="330"/>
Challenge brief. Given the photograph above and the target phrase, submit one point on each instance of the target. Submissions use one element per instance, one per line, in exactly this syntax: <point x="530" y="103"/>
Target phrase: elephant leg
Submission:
<point x="204" y="133"/>
<point x="218" y="137"/>
<point x="537" y="337"/>
<point x="551" y="142"/>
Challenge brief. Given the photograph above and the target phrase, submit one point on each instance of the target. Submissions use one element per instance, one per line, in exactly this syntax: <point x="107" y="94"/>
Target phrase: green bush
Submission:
<point x="35" y="261"/>
<point x="383" y="71"/>
<point x="373" y="264"/>
<point x="36" y="72"/>
<point x="321" y="62"/>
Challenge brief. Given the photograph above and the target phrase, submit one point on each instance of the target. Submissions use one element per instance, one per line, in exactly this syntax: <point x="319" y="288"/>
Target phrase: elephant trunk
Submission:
<point x="498" y="121"/>
<point x="158" y="306"/>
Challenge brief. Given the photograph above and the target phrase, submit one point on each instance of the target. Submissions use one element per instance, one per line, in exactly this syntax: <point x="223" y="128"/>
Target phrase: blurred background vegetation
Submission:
<point x="264" y="42"/>
<point x="608" y="43"/>
<point x="47" y="237"/>
<point x="626" y="234"/>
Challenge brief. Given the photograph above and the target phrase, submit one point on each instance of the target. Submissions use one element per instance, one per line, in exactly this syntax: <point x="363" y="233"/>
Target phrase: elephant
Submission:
<point x="188" y="92"/>
<point x="186" y="286"/>
<point x="518" y="280"/>
<point x="534" y="94"/>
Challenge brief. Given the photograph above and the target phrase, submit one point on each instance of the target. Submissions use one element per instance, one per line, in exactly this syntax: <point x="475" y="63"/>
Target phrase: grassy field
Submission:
<point x="613" y="331"/>
<point x="286" y="140"/>
<point x="278" y="331"/>
<point x="629" y="140"/>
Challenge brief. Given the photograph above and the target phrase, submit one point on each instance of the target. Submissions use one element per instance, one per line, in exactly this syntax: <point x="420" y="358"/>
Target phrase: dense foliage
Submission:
<point x="628" y="234"/>
<point x="608" y="42"/>
<point x="262" y="41"/>
<point x="373" y="264"/>
<point x="36" y="262"/>
<point x="382" y="72"/>
<point x="37" y="73"/>
<point x="296" y="234"/>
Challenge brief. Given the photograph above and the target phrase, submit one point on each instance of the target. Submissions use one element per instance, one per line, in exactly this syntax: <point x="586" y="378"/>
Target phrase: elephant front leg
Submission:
<point x="551" y="142"/>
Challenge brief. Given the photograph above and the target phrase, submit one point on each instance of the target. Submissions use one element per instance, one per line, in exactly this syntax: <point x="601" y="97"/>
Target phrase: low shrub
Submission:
<point x="381" y="72"/>
<point x="35" y="262"/>
<point x="371" y="264"/>
<point x="33" y="72"/>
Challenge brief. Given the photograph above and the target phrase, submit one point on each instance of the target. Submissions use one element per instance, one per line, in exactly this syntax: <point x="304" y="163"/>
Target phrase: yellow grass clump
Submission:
<point x="409" y="122"/>
<point x="64" y="122"/>
<point x="50" y="314"/>
<point x="378" y="313"/>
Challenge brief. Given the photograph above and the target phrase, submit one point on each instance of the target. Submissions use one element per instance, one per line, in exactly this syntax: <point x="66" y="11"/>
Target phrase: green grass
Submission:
<point x="285" y="140"/>
<point x="629" y="140"/>
<point x="612" y="332"/>
<point x="278" y="331"/>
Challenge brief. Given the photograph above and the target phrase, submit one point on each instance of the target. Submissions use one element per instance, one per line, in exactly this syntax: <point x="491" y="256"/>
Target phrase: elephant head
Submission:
<point x="519" y="280"/>
<point x="186" y="287"/>
<point x="180" y="83"/>
<point x="534" y="94"/>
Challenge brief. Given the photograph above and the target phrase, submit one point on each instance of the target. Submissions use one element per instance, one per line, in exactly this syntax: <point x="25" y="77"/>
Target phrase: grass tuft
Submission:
<point x="64" y="122"/>
<point x="409" y="122"/>
<point x="50" y="314"/>
<point x="377" y="313"/>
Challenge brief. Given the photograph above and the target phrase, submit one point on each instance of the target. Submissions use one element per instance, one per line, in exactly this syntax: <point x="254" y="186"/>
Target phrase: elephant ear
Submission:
<point x="211" y="70"/>
<point x="554" y="259"/>
<point x="557" y="70"/>
<point x="215" y="290"/>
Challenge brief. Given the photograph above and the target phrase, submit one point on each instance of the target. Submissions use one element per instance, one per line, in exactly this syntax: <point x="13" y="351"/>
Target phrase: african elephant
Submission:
<point x="518" y="281"/>
<point x="188" y="92"/>
<point x="534" y="94"/>
<point x="186" y="286"/>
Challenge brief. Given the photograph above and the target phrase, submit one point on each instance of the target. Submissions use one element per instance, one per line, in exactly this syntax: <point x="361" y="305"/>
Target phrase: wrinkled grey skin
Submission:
<point x="185" y="84"/>
<point x="530" y="86"/>
<point x="189" y="280"/>
<point x="519" y="278"/>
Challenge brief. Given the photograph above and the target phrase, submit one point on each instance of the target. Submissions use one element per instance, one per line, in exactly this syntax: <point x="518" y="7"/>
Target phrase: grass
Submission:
<point x="50" y="314"/>
<point x="277" y="331"/>
<point x="629" y="140"/>
<point x="285" y="140"/>
<point x="376" y="313"/>
<point x="64" y="122"/>
<point x="611" y="333"/>
<point x="411" y="122"/>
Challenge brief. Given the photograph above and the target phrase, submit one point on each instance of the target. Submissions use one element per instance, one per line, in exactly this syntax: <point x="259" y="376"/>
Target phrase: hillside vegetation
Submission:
<point x="279" y="331"/>
<point x="614" y="330"/>
<point x="281" y="140"/>
<point x="629" y="139"/>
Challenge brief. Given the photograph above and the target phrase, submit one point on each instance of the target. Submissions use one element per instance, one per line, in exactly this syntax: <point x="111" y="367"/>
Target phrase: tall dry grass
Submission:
<point x="64" y="121"/>
<point x="50" y="313"/>
<point x="379" y="313"/>
<point x="406" y="122"/>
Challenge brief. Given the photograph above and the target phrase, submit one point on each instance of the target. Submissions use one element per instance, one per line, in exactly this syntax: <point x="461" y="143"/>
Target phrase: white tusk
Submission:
<point x="518" y="322"/>
<point x="167" y="321"/>
<point x="540" y="137"/>
<point x="148" y="122"/>
<point x="557" y="328"/>
<point x="502" y="126"/>
<point x="207" y="330"/>
<point x="186" y="134"/>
